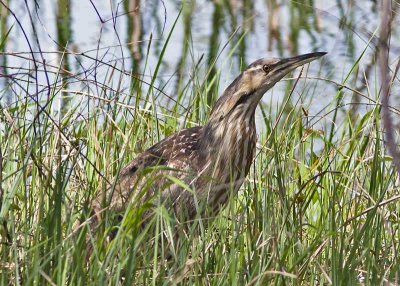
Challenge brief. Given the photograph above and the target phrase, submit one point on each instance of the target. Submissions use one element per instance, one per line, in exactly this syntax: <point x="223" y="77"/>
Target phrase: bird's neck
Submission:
<point x="230" y="140"/>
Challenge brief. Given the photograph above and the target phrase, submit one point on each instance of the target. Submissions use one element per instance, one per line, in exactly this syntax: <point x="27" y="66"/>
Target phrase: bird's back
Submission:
<point x="177" y="156"/>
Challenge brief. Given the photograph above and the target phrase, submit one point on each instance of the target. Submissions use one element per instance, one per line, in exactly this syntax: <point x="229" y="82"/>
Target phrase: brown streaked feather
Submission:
<point x="177" y="151"/>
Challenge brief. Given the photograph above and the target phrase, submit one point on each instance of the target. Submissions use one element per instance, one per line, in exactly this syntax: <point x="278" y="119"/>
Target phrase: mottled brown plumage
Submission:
<point x="212" y="160"/>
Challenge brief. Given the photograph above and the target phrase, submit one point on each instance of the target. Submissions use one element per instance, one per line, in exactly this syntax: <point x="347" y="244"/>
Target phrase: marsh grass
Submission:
<point x="319" y="207"/>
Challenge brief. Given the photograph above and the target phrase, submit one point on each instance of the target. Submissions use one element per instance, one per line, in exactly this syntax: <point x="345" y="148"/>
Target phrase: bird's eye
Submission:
<point x="266" y="68"/>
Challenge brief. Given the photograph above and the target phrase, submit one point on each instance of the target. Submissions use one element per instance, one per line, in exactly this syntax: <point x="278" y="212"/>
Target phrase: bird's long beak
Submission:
<point x="294" y="62"/>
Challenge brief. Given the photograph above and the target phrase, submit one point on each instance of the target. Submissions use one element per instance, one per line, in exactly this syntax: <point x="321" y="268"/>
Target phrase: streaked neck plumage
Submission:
<point x="229" y="137"/>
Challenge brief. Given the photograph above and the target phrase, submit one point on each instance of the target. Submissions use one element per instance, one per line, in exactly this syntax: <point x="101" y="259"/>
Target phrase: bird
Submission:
<point x="194" y="171"/>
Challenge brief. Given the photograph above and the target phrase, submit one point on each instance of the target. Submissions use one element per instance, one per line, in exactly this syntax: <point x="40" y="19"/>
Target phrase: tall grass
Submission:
<point x="319" y="207"/>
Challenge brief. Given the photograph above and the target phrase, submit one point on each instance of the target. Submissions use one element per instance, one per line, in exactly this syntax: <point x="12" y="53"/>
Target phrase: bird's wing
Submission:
<point x="173" y="151"/>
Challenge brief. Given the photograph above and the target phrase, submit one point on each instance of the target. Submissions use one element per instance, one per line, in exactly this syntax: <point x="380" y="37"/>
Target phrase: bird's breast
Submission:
<point x="231" y="158"/>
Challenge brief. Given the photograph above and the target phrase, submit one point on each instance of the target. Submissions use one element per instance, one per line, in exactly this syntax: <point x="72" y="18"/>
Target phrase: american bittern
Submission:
<point x="212" y="160"/>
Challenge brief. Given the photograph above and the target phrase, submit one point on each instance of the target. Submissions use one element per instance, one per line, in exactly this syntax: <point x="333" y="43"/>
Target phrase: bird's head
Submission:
<point x="248" y="88"/>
